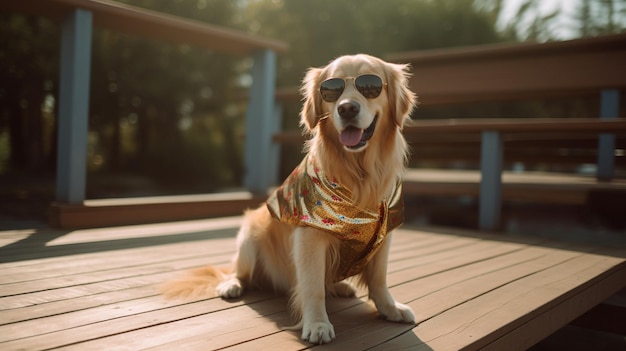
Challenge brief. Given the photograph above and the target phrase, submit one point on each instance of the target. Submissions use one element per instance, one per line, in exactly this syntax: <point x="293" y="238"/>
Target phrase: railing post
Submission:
<point x="74" y="107"/>
<point x="261" y="154"/>
<point x="490" y="200"/>
<point x="609" y="108"/>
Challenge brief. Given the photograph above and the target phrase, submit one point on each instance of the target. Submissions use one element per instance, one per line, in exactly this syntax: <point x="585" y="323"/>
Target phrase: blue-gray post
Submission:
<point x="73" y="106"/>
<point x="262" y="121"/>
<point x="490" y="201"/>
<point x="609" y="108"/>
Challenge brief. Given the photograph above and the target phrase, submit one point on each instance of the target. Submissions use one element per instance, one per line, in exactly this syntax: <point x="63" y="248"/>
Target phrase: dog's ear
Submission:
<point x="312" y="106"/>
<point x="401" y="99"/>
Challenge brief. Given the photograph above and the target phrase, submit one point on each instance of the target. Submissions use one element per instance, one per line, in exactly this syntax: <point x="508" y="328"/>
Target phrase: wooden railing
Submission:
<point x="78" y="18"/>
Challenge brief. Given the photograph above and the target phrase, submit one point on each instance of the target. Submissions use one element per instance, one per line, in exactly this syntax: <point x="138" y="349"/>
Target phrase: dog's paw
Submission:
<point x="397" y="312"/>
<point x="318" y="332"/>
<point x="342" y="289"/>
<point x="230" y="288"/>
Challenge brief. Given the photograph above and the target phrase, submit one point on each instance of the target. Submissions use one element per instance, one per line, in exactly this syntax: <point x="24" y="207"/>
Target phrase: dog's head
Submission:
<point x="360" y="94"/>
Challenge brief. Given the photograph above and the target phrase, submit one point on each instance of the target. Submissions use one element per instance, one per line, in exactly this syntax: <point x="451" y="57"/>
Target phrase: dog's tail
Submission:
<point x="197" y="283"/>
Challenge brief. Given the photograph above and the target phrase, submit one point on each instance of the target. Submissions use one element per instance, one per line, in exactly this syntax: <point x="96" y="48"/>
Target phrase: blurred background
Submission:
<point x="169" y="119"/>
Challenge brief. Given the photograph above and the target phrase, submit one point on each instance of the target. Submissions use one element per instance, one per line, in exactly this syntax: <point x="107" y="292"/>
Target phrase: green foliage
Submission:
<point x="588" y="18"/>
<point x="598" y="17"/>
<point x="320" y="30"/>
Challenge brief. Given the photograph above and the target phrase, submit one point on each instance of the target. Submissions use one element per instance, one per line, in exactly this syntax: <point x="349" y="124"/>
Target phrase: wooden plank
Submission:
<point x="547" y="322"/>
<point x="47" y="309"/>
<point x="123" y="281"/>
<point x="38" y="241"/>
<point x="440" y="262"/>
<point x="94" y="264"/>
<point x="491" y="315"/>
<point x="557" y="188"/>
<point x="516" y="125"/>
<point x="99" y="213"/>
<point x="502" y="72"/>
<point x="192" y="318"/>
<point x="47" y="284"/>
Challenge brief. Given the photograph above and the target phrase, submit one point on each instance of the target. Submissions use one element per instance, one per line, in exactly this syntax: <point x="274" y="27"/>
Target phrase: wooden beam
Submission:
<point x="517" y="125"/>
<point x="136" y="21"/>
<point x="112" y="212"/>
<point x="501" y="72"/>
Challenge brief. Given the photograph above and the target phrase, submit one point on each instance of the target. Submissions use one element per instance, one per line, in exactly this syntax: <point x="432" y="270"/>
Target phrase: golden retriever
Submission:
<point x="332" y="217"/>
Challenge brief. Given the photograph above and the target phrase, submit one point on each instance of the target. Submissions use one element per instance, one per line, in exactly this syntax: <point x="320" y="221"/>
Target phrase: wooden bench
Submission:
<point x="97" y="289"/>
<point x="492" y="133"/>
<point x="505" y="72"/>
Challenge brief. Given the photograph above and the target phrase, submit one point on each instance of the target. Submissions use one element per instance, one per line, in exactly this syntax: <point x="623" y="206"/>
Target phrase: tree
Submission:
<point x="149" y="101"/>
<point x="318" y="31"/>
<point x="598" y="17"/>
<point x="28" y="71"/>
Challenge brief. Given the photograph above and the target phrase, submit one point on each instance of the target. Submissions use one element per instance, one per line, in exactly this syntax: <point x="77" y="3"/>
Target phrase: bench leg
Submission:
<point x="609" y="108"/>
<point x="490" y="200"/>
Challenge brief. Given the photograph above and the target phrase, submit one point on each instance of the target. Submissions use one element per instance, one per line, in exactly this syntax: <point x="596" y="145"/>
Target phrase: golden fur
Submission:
<point x="288" y="258"/>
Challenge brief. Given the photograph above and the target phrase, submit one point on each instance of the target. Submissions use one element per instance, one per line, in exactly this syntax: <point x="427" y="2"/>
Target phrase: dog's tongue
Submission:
<point x="351" y="136"/>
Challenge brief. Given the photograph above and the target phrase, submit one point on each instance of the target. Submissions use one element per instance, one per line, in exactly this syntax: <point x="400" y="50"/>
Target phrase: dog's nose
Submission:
<point x="348" y="109"/>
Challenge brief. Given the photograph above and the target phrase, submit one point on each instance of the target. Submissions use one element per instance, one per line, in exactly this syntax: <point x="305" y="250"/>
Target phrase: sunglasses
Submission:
<point x="369" y="85"/>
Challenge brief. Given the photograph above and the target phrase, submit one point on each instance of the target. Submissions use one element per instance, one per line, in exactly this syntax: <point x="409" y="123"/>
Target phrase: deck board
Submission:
<point x="98" y="289"/>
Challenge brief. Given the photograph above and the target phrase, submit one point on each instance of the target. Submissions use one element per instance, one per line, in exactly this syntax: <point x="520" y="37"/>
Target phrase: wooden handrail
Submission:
<point x="151" y="24"/>
<point x="488" y="51"/>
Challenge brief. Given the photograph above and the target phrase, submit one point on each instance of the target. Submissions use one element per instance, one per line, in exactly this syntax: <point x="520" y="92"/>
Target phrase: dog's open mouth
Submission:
<point x="355" y="138"/>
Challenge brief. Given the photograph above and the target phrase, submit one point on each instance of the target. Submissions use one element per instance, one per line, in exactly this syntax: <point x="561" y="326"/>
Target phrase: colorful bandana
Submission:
<point x="308" y="197"/>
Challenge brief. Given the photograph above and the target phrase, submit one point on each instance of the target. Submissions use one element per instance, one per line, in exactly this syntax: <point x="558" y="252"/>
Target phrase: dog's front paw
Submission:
<point x="397" y="312"/>
<point x="230" y="288"/>
<point x="318" y="332"/>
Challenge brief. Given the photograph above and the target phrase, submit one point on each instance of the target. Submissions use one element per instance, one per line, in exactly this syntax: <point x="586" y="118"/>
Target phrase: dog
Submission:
<point x="331" y="219"/>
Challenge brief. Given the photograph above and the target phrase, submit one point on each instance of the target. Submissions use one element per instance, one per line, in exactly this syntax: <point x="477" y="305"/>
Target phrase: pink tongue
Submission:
<point x="351" y="136"/>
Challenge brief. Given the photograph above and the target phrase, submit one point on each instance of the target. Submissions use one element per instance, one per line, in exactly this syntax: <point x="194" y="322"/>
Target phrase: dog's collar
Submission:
<point x="308" y="197"/>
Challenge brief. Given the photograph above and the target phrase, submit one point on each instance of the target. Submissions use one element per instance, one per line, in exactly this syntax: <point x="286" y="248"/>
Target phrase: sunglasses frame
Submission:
<point x="332" y="95"/>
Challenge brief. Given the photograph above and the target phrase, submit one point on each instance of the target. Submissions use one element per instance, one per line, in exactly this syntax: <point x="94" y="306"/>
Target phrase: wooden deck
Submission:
<point x="97" y="289"/>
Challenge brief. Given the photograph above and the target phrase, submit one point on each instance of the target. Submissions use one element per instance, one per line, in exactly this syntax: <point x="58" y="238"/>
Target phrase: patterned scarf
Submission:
<point x="308" y="197"/>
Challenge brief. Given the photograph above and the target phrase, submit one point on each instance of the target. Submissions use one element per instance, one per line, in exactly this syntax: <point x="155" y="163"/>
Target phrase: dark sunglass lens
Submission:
<point x="369" y="85"/>
<point x="331" y="89"/>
